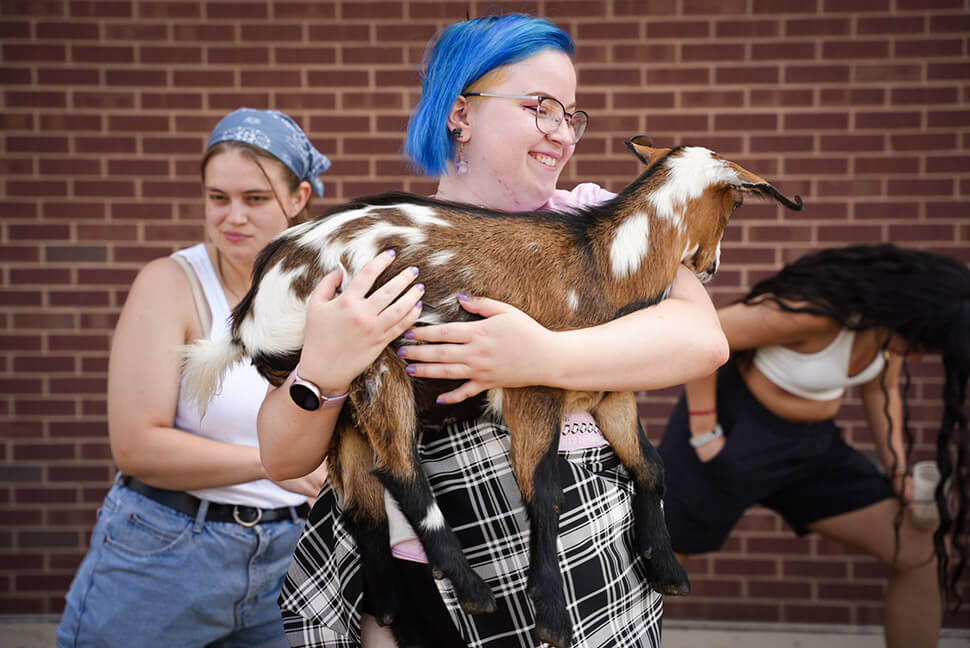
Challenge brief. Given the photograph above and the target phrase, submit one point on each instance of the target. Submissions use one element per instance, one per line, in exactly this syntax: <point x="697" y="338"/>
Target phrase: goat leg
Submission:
<point x="386" y="410"/>
<point x="534" y="416"/>
<point x="350" y="467"/>
<point x="617" y="417"/>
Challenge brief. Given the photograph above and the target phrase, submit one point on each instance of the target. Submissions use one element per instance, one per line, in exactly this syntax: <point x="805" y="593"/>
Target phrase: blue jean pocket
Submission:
<point x="146" y="531"/>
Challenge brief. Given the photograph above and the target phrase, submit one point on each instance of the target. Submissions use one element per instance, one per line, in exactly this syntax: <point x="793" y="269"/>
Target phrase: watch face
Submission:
<point x="304" y="397"/>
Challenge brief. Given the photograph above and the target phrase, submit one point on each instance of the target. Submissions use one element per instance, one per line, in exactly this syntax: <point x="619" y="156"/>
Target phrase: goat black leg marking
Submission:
<point x="545" y="578"/>
<point x="381" y="587"/>
<point x="440" y="544"/>
<point x="665" y="573"/>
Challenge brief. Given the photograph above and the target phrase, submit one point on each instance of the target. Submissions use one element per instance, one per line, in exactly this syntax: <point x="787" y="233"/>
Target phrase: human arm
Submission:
<point x="745" y="327"/>
<point x="884" y="413"/>
<point x="344" y="334"/>
<point x="143" y="387"/>
<point x="666" y="344"/>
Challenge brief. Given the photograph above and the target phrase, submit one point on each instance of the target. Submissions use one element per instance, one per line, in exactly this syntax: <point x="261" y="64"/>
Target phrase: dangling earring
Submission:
<point x="460" y="164"/>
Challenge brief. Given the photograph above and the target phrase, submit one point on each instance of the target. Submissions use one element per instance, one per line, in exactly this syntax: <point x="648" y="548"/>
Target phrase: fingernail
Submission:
<point x="421" y="287"/>
<point x="392" y="253"/>
<point x="410" y="369"/>
<point x="440" y="400"/>
<point x="419" y="304"/>
<point x="414" y="270"/>
<point x="403" y="351"/>
<point x="409" y="335"/>
<point x="462" y="297"/>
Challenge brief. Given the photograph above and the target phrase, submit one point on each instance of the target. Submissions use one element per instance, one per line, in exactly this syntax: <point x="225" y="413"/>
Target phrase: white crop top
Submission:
<point x="231" y="415"/>
<point x="820" y="376"/>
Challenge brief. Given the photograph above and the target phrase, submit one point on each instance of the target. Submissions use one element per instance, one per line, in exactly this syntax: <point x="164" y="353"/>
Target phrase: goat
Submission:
<point x="566" y="270"/>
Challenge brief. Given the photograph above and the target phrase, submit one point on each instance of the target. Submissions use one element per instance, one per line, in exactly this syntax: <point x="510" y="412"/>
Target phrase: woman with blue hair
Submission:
<point x="496" y="124"/>
<point x="193" y="539"/>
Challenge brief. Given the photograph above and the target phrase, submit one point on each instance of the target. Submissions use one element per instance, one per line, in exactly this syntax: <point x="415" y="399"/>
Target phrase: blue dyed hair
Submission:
<point x="462" y="54"/>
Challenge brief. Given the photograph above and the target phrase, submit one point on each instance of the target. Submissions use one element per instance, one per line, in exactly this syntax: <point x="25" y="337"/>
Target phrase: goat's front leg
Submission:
<point x="388" y="415"/>
<point x="617" y="417"/>
<point x="534" y="416"/>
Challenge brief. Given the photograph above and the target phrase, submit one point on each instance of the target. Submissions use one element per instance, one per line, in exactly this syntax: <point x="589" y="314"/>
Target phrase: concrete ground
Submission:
<point x="21" y="631"/>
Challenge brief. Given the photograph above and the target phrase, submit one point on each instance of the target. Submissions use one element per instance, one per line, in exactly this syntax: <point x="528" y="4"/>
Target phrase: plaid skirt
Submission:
<point x="609" y="600"/>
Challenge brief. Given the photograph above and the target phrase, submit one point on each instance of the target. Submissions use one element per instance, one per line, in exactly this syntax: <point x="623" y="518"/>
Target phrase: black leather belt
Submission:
<point x="189" y="505"/>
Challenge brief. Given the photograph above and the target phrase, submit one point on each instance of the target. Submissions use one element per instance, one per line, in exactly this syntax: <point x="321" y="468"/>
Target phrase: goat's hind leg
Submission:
<point x="388" y="413"/>
<point x="617" y="417"/>
<point x="534" y="416"/>
<point x="351" y="464"/>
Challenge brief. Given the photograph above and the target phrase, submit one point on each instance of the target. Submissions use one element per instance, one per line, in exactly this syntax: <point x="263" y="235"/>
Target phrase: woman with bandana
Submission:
<point x="193" y="539"/>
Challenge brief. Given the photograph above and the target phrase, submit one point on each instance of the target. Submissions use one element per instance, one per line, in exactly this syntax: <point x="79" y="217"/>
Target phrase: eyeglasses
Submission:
<point x="549" y="113"/>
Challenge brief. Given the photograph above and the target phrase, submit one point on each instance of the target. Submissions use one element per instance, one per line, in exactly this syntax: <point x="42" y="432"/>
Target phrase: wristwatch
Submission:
<point x="307" y="395"/>
<point x="704" y="439"/>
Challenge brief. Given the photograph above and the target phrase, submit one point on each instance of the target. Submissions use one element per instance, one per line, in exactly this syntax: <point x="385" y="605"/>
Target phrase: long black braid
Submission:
<point x="925" y="299"/>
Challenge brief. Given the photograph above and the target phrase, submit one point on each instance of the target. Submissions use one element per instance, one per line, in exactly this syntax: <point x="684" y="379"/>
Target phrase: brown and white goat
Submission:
<point x="566" y="270"/>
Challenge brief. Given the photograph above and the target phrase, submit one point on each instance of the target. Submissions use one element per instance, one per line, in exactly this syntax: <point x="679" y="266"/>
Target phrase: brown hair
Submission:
<point x="254" y="153"/>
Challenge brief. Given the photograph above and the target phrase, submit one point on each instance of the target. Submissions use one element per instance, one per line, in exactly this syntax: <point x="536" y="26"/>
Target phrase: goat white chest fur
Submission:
<point x="566" y="270"/>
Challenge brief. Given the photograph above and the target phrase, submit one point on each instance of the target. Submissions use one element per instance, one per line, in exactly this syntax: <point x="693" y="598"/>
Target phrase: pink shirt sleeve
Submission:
<point x="582" y="195"/>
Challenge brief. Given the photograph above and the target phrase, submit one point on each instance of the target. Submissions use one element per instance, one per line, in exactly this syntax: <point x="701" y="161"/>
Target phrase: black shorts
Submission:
<point x="803" y="471"/>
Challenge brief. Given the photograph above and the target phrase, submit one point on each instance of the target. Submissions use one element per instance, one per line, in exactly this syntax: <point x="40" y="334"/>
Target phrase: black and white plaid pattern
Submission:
<point x="610" y="603"/>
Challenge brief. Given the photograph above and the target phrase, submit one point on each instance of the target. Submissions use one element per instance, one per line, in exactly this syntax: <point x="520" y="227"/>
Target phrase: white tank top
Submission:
<point x="820" y="376"/>
<point x="231" y="416"/>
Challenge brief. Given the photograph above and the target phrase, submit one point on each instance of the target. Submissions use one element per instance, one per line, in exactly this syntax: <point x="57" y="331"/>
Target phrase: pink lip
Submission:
<point x="234" y="237"/>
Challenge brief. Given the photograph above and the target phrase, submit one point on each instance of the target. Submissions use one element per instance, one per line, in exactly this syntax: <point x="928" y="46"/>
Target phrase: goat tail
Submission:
<point x="204" y="363"/>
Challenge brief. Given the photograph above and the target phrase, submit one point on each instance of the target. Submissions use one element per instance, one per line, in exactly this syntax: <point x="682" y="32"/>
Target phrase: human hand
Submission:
<point x="346" y="332"/>
<point x="506" y="349"/>
<point x="710" y="449"/>
<point x="308" y="485"/>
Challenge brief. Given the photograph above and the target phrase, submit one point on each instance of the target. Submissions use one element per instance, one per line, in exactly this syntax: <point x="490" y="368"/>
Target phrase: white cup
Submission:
<point x="926" y="476"/>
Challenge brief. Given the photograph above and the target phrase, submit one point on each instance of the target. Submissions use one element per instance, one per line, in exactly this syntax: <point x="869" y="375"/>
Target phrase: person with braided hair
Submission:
<point x="761" y="430"/>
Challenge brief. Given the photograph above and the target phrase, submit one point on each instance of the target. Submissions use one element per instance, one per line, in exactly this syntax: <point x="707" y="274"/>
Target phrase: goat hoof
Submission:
<point x="479" y="607"/>
<point x="557" y="633"/>
<point x="480" y="600"/>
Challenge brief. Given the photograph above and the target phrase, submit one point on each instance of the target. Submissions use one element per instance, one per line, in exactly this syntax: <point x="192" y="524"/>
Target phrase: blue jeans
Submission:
<point x="157" y="577"/>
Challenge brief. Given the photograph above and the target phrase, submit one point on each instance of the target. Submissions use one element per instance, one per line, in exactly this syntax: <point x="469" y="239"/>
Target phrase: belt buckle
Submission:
<point x="245" y="523"/>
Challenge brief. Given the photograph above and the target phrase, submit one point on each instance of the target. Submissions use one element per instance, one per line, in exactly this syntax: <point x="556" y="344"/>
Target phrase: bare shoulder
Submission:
<point x="161" y="291"/>
<point x="749" y="326"/>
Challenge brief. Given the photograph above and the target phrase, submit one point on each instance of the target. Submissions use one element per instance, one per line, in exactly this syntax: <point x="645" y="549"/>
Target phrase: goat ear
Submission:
<point x="752" y="183"/>
<point x="642" y="147"/>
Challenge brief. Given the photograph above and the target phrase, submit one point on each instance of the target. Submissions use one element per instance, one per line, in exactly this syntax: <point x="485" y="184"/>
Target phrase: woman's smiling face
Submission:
<point x="512" y="165"/>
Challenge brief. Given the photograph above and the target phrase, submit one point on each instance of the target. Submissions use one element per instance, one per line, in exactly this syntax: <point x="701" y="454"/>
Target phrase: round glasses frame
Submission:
<point x="550" y="113"/>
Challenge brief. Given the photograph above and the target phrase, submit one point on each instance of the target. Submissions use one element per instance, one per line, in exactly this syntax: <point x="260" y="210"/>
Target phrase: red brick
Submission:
<point x="677" y="29"/>
<point x="883" y="165"/>
<point x="921" y="187"/>
<point x="713" y="52"/>
<point x="950" y="23"/>
<point x="852" y="143"/>
<point x="887" y="73"/>
<point x="804" y="27"/>
<point x="816" y="121"/>
<point x="816" y="166"/>
<point x="779" y="98"/>
<point x="888" y="120"/>
<point x="682" y="76"/>
<point x="816" y="613"/>
<point x="746" y="75"/>
<point x="894" y="210"/>
<point x="817" y="74"/>
<point x="928" y="47"/>
<point x="923" y="95"/>
<point x="782" y="51"/>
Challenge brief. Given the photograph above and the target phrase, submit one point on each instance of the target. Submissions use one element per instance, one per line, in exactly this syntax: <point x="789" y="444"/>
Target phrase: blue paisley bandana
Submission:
<point x="278" y="134"/>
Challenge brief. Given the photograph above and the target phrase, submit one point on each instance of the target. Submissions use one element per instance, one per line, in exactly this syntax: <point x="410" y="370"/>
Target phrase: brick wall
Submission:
<point x="861" y="106"/>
